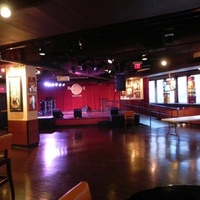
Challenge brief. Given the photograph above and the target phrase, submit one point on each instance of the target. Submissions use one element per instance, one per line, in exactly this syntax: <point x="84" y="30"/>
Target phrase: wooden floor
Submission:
<point x="115" y="161"/>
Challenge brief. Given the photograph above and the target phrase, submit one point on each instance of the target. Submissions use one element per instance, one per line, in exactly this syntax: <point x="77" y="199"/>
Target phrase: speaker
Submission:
<point x="114" y="111"/>
<point x="77" y="113"/>
<point x="57" y="113"/>
<point x="120" y="82"/>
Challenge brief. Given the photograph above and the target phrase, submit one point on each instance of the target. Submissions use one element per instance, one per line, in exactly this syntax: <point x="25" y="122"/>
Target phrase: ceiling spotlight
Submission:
<point x="41" y="52"/>
<point x="80" y="44"/>
<point x="163" y="62"/>
<point x="5" y="10"/>
<point x="38" y="72"/>
<point x="110" y="60"/>
<point x="95" y="68"/>
<point x="144" y="57"/>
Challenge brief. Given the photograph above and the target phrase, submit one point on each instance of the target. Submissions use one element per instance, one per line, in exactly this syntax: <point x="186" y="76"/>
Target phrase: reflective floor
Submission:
<point x="115" y="161"/>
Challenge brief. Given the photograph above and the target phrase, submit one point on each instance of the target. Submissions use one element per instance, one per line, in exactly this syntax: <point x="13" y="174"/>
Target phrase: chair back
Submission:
<point x="129" y="114"/>
<point x="5" y="144"/>
<point x="79" y="192"/>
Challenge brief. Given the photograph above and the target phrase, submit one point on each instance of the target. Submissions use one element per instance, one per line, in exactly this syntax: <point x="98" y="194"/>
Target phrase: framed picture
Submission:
<point x="134" y="89"/>
<point x="15" y="92"/>
<point x="32" y="102"/>
<point x="32" y="84"/>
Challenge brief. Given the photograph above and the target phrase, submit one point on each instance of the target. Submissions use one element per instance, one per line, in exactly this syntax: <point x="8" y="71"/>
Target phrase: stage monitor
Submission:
<point x="78" y="113"/>
<point x="57" y="113"/>
<point x="114" y="111"/>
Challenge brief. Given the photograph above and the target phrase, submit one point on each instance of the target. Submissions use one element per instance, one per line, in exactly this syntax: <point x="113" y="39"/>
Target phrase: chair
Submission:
<point x="81" y="191"/>
<point x="5" y="146"/>
<point x="129" y="117"/>
<point x="168" y="192"/>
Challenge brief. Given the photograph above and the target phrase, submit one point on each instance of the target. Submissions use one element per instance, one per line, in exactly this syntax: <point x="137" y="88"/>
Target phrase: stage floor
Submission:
<point x="91" y="117"/>
<point x="96" y="117"/>
<point x="89" y="114"/>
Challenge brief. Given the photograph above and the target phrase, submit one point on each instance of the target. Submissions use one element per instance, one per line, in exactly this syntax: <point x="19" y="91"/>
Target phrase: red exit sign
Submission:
<point x="136" y="65"/>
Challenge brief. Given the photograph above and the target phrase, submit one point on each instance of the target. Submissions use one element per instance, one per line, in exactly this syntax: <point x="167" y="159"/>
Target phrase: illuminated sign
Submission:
<point x="136" y="66"/>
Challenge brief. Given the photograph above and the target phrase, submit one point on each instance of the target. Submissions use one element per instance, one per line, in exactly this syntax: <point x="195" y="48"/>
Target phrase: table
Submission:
<point x="176" y="120"/>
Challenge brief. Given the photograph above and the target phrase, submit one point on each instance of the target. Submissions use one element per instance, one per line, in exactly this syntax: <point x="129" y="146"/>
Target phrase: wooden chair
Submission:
<point x="129" y="117"/>
<point x="5" y="146"/>
<point x="81" y="191"/>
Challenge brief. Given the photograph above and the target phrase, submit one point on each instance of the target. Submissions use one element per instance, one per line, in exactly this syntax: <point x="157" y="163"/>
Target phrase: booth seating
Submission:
<point x="5" y="161"/>
<point x="81" y="191"/>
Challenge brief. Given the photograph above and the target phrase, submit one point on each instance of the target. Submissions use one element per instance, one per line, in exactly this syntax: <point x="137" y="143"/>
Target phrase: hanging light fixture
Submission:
<point x="5" y="10"/>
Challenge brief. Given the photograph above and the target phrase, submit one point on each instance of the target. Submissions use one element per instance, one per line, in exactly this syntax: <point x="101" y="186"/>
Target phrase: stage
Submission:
<point x="87" y="118"/>
<point x="93" y="118"/>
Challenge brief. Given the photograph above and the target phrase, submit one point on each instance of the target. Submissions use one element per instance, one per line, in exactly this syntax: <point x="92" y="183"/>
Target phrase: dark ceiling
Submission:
<point x="77" y="36"/>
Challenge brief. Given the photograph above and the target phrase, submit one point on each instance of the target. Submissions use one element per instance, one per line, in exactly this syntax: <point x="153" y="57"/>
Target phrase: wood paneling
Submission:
<point x="25" y="133"/>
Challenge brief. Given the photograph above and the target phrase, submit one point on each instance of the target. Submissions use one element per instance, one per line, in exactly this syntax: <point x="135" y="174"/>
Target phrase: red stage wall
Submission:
<point x="90" y="95"/>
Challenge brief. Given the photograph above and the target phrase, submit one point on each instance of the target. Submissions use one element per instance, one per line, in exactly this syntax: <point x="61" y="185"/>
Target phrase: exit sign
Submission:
<point x="136" y="66"/>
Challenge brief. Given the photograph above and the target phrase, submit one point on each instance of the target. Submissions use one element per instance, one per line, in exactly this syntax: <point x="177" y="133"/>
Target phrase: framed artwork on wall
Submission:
<point x="32" y="102"/>
<point x="15" y="93"/>
<point x="134" y="89"/>
<point x="32" y="84"/>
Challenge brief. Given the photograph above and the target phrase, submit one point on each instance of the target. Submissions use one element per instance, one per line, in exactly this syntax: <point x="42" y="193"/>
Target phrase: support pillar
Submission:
<point x="22" y="108"/>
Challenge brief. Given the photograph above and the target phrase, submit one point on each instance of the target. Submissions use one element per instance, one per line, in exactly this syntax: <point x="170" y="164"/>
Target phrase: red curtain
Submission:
<point x="90" y="96"/>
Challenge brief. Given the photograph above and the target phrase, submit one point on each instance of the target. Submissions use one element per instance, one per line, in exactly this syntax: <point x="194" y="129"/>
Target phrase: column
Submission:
<point x="21" y="87"/>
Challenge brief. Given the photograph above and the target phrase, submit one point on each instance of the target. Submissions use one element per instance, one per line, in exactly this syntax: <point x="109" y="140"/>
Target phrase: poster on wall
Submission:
<point x="32" y="102"/>
<point x="15" y="93"/>
<point x="32" y="84"/>
<point x="134" y="89"/>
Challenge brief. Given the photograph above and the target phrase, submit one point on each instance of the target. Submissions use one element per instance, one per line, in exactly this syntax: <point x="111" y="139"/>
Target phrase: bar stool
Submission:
<point x="5" y="146"/>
